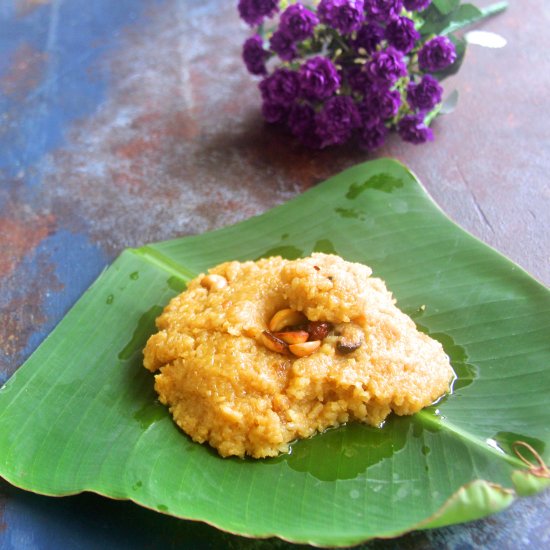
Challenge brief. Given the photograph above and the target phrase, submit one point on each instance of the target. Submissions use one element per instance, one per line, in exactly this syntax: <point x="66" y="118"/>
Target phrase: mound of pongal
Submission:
<point x="254" y="355"/>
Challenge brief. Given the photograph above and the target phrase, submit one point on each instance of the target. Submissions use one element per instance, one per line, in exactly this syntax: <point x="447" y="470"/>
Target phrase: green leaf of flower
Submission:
<point x="449" y="103"/>
<point x="446" y="6"/>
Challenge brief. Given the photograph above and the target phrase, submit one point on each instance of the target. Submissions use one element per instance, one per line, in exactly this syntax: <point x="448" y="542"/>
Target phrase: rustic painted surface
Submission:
<point x="134" y="121"/>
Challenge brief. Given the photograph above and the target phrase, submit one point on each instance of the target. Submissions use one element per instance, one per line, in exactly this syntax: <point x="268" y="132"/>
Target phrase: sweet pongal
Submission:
<point x="254" y="355"/>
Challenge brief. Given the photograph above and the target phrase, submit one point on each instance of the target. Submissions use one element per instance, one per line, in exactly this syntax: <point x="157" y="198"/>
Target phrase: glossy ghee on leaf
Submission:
<point x="235" y="376"/>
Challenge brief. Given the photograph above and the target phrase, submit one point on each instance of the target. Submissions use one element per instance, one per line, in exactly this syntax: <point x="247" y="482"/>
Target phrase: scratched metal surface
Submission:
<point x="107" y="108"/>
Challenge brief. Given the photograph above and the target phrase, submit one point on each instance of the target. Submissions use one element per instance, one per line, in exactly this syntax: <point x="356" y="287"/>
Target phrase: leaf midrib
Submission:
<point x="428" y="418"/>
<point x="164" y="262"/>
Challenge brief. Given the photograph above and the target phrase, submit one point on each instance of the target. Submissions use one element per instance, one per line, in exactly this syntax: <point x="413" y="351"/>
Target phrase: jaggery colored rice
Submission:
<point x="224" y="387"/>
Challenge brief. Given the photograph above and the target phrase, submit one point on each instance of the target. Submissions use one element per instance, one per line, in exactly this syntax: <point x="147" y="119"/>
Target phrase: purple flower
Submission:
<point x="417" y="5"/>
<point x="283" y="45"/>
<point x="274" y="112"/>
<point x="280" y="88"/>
<point x="373" y="135"/>
<point x="319" y="78"/>
<point x="254" y="55"/>
<point x="368" y="37"/>
<point x="301" y="122"/>
<point x="338" y="118"/>
<point x="380" y="105"/>
<point x="358" y="79"/>
<point x="343" y="15"/>
<point x="298" y="22"/>
<point x="411" y="128"/>
<point x="386" y="66"/>
<point x="425" y="95"/>
<point x="401" y="34"/>
<point x="301" y="119"/>
<point x="437" y="54"/>
<point x="383" y="11"/>
<point x="254" y="11"/>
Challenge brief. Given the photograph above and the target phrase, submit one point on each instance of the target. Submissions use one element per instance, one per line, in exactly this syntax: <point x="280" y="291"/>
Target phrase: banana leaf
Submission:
<point x="81" y="413"/>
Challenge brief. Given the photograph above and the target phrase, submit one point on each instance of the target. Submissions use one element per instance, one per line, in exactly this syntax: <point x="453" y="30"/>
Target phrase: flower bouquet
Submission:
<point x="336" y="70"/>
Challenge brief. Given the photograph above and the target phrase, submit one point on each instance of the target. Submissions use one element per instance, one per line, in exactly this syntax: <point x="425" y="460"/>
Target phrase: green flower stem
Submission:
<point x="428" y="119"/>
<point x="493" y="9"/>
<point x="338" y="40"/>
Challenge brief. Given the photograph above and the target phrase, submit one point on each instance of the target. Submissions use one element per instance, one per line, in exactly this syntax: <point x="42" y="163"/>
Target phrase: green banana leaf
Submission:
<point x="81" y="415"/>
